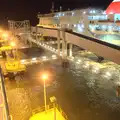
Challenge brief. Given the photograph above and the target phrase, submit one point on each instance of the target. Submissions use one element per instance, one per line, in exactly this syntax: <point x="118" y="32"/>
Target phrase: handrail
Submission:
<point x="50" y="106"/>
<point x="88" y="38"/>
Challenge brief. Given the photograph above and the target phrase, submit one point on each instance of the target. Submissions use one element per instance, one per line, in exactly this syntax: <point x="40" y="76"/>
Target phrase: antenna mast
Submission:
<point x="53" y="7"/>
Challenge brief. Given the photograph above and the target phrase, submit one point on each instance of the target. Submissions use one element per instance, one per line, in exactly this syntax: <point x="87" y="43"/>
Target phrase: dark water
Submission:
<point x="76" y="98"/>
<point x="73" y="89"/>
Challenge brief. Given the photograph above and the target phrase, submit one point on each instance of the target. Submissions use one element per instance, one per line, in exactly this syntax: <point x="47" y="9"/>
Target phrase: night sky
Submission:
<point x="28" y="9"/>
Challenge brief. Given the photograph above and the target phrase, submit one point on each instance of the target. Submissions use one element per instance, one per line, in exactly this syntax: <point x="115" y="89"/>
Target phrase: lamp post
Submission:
<point x="44" y="78"/>
<point x="13" y="44"/>
<point x="5" y="36"/>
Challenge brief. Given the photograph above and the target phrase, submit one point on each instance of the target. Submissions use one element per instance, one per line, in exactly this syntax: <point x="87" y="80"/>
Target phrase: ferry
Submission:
<point x="98" y="23"/>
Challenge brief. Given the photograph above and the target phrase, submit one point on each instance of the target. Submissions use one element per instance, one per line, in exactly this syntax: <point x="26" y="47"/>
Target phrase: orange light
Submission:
<point x="13" y="44"/>
<point x="5" y="35"/>
<point x="44" y="76"/>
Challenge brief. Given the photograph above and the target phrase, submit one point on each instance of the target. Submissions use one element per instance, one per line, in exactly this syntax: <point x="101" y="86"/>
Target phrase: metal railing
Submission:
<point x="50" y="106"/>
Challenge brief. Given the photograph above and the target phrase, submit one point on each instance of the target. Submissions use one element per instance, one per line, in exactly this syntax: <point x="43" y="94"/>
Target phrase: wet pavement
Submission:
<point x="81" y="94"/>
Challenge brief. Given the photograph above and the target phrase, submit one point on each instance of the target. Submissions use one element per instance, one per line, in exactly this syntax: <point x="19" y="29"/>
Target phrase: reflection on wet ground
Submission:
<point x="82" y="94"/>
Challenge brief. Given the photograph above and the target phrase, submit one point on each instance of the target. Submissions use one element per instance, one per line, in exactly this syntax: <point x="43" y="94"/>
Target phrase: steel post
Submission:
<point x="70" y="49"/>
<point x="58" y="42"/>
<point x="4" y="95"/>
<point x="45" y="96"/>
<point x="63" y="44"/>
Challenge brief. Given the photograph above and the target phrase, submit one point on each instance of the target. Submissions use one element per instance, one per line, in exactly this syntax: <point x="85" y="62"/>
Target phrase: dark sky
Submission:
<point x="28" y="9"/>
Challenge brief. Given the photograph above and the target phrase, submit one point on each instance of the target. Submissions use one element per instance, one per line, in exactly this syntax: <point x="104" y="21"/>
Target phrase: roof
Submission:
<point x="114" y="7"/>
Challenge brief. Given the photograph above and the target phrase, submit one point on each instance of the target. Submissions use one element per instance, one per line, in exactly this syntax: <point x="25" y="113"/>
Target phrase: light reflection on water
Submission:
<point x="82" y="94"/>
<point x="103" y="88"/>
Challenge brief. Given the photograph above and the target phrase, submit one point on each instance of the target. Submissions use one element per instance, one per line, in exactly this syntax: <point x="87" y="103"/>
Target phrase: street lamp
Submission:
<point x="12" y="44"/>
<point x="44" y="78"/>
<point x="5" y="36"/>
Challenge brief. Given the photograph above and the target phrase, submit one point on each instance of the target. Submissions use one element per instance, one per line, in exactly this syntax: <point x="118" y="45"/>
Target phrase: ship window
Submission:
<point x="117" y="17"/>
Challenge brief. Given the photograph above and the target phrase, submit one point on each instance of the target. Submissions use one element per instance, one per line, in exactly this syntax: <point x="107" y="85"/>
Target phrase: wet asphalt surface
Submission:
<point x="71" y="86"/>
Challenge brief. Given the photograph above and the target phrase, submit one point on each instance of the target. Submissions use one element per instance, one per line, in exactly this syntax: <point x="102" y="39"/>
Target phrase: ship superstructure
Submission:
<point x="91" y="22"/>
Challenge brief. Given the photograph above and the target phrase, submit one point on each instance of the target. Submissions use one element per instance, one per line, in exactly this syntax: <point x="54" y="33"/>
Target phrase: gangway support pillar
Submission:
<point x="66" y="48"/>
<point x="25" y="41"/>
<point x="63" y="44"/>
<point x="58" y="42"/>
<point x="30" y="43"/>
<point x="37" y="38"/>
<point x="70" y="49"/>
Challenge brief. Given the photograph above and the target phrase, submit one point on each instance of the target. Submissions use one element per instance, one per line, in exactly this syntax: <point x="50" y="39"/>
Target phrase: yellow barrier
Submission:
<point x="49" y="107"/>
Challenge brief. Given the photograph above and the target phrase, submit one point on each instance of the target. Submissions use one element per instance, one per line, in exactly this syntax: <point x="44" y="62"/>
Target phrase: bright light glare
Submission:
<point x="108" y="74"/>
<point x="60" y="54"/>
<point x="111" y="12"/>
<point x="84" y="12"/>
<point x="77" y="62"/>
<point x="82" y="25"/>
<point x="44" y="76"/>
<point x="118" y="83"/>
<point x="75" y="25"/>
<point x="95" y="69"/>
<point x="54" y="56"/>
<point x="13" y="44"/>
<point x="104" y="12"/>
<point x="34" y="59"/>
<point x="53" y="99"/>
<point x="94" y="11"/>
<point x="86" y="65"/>
<point x="92" y="29"/>
<point x="22" y="61"/>
<point x="44" y="57"/>
<point x="80" y="29"/>
<point x="80" y="61"/>
<point x="5" y="35"/>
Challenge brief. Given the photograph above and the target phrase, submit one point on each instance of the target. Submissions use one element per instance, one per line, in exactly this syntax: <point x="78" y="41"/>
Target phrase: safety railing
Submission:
<point x="48" y="107"/>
